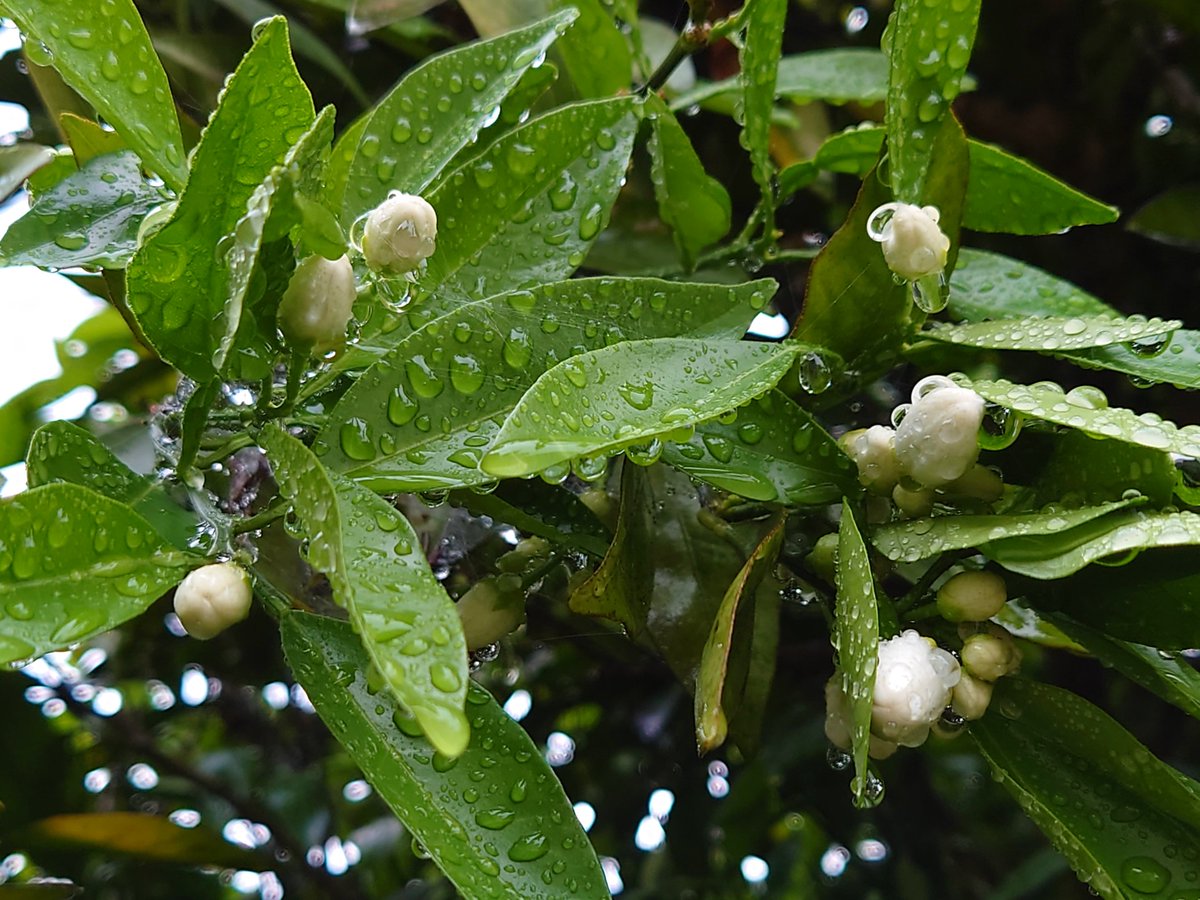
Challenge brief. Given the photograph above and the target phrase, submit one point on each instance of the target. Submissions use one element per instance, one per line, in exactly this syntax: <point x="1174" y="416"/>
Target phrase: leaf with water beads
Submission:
<point x="91" y="217"/>
<point x="917" y="539"/>
<point x="379" y="573"/>
<point x="179" y="280"/>
<point x="606" y="400"/>
<point x="770" y="449"/>
<point x="525" y="210"/>
<point x="436" y="110"/>
<point x="1051" y="334"/>
<point x="103" y="51"/>
<point x="1128" y="823"/>
<point x="1047" y="401"/>
<point x="759" y="55"/>
<point x="421" y="417"/>
<point x="75" y="563"/>
<point x="495" y="819"/>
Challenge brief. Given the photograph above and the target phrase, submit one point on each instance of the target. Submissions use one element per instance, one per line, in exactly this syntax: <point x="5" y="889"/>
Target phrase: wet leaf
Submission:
<point x="88" y="139"/>
<point x="759" y="54"/>
<point x="91" y="217"/>
<point x="928" y="48"/>
<point x="771" y="449"/>
<point x="18" y="162"/>
<point x="712" y="699"/>
<point x="436" y="110"/>
<point x="421" y="418"/>
<point x="1164" y="673"/>
<point x="1170" y="217"/>
<point x="116" y="567"/>
<point x="373" y="559"/>
<point x="1051" y="334"/>
<point x="987" y="285"/>
<point x="917" y="539"/>
<point x="856" y="639"/>
<point x="179" y="280"/>
<point x="526" y="210"/>
<point x="61" y="451"/>
<point x="510" y="834"/>
<point x="143" y="836"/>
<point x="694" y="205"/>
<point x="1011" y="195"/>
<point x="534" y="507"/>
<point x="1085" y="471"/>
<point x="1124" y="808"/>
<point x="650" y="387"/>
<point x="1048" y="402"/>
<point x="105" y="54"/>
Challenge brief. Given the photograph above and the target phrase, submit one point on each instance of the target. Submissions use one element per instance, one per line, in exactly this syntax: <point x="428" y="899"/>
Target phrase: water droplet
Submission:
<point x="518" y="349"/>
<point x="444" y="678"/>
<point x="71" y="240"/>
<point x="466" y="374"/>
<point x="528" y="848"/>
<point x="639" y="396"/>
<point x="1144" y="875"/>
<point x="401" y="408"/>
<point x="425" y="382"/>
<point x="495" y="819"/>
<point x="355" y="440"/>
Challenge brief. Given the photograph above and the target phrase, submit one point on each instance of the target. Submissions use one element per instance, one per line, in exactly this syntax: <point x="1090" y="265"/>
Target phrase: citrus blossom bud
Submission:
<point x="837" y="721"/>
<point x="873" y="451"/>
<point x="318" y="302"/>
<point x="491" y="609"/>
<point x="823" y="558"/>
<point x="937" y="441"/>
<point x="971" y="697"/>
<point x="212" y="598"/>
<point x="980" y="482"/>
<point x="971" y="597"/>
<point x="913" y="681"/>
<point x="400" y="233"/>
<point x="913" y="243"/>
<point x="991" y="654"/>
<point x="914" y="504"/>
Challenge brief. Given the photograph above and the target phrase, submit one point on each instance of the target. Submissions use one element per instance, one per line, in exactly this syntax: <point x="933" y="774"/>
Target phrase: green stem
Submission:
<point x="530" y="579"/>
<point x="921" y="586"/>
<point x="695" y="35"/>
<point x="296" y="366"/>
<point x="259" y="520"/>
<point x="928" y="611"/>
<point x="266" y="393"/>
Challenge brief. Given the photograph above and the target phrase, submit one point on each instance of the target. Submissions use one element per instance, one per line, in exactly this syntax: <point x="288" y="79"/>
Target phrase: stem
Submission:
<point x="296" y="367"/>
<point x="224" y="449"/>
<point x="259" y="520"/>
<point x="266" y="393"/>
<point x="532" y="578"/>
<point x="921" y="585"/>
<point x="695" y="35"/>
<point x="928" y="611"/>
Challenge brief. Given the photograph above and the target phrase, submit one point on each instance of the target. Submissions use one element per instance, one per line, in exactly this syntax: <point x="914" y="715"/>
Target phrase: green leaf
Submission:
<point x="18" y="162"/>
<point x="379" y="573"/>
<point x="1126" y="816"/>
<point x="179" y="282"/>
<point x="1052" y="333"/>
<point x="88" y="139"/>
<point x="1009" y="194"/>
<point x="711" y="697"/>
<point x="140" y="835"/>
<point x="1047" y="401"/>
<point x="622" y="586"/>
<point x="916" y="539"/>
<point x="534" y="507"/>
<point x="61" y="451"/>
<point x="511" y="835"/>
<point x="928" y="48"/>
<point x="842" y="75"/>
<point x="526" y="210"/>
<point x="1086" y="471"/>
<point x="436" y="110"/>
<point x="116" y="566"/>
<point x="593" y="52"/>
<point x="1121" y="537"/>
<point x="1170" y="217"/>
<point x="341" y="158"/>
<point x="856" y="639"/>
<point x="420" y="418"/>
<point x="770" y="449"/>
<point x="105" y="54"/>
<point x="1165" y="674"/>
<point x="605" y="400"/>
<point x="695" y="206"/>
<point x="759" y="53"/>
<point x="91" y="217"/>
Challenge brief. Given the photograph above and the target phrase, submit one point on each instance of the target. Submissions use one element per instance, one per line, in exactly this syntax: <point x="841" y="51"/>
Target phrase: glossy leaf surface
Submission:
<point x="116" y="567"/>
<point x="1050" y="334"/>
<point x="379" y="573"/>
<point x="764" y="21"/>
<point x="511" y="834"/>
<point x="649" y="387"/>
<point x="525" y="211"/>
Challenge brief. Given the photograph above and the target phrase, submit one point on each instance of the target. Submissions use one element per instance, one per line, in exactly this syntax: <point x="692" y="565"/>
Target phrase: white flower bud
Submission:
<point x="971" y="597"/>
<point x="837" y="721"/>
<point x="491" y="609"/>
<point x="400" y="233"/>
<point x="938" y="439"/>
<point x="212" y="598"/>
<point x="873" y="451"/>
<point x="914" y="504"/>
<point x="990" y="654"/>
<point x="980" y="482"/>
<point x="913" y="681"/>
<point x="318" y="302"/>
<point x="913" y="244"/>
<point x="971" y="697"/>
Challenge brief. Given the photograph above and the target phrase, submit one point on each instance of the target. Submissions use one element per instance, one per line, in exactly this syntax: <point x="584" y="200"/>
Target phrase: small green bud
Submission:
<point x="971" y="697"/>
<point x="979" y="482"/>
<point x="990" y="655"/>
<point x="913" y="504"/>
<point x="530" y="552"/>
<point x="492" y="608"/>
<point x="971" y="597"/>
<point x="823" y="558"/>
